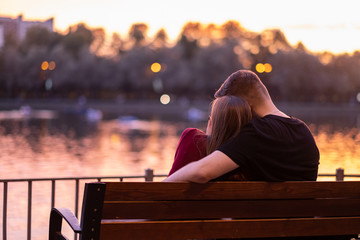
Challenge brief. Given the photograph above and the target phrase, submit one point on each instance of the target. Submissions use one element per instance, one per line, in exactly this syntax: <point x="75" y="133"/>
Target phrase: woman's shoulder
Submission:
<point x="193" y="132"/>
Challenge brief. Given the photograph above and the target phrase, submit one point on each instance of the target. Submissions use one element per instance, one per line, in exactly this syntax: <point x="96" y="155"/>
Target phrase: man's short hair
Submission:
<point x="245" y="84"/>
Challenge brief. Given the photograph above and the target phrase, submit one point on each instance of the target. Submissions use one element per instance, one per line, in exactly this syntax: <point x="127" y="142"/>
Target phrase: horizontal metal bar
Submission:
<point x="76" y="178"/>
<point x="334" y="175"/>
<point x="124" y="177"/>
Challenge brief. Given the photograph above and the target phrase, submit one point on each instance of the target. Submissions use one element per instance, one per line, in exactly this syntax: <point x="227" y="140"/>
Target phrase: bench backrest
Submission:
<point x="157" y="210"/>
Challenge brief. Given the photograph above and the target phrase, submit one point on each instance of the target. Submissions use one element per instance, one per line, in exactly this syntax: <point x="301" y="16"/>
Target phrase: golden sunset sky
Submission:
<point x="320" y="24"/>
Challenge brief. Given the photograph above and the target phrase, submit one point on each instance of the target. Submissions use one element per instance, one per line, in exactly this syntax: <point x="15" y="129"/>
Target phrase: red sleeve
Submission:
<point x="191" y="147"/>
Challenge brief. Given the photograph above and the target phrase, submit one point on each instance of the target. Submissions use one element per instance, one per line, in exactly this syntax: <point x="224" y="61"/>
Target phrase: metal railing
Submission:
<point x="339" y="175"/>
<point x="149" y="176"/>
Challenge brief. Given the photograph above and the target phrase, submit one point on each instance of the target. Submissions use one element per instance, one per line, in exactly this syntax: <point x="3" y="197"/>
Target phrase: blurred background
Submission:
<point x="70" y="68"/>
<point x="105" y="56"/>
<point x="91" y="88"/>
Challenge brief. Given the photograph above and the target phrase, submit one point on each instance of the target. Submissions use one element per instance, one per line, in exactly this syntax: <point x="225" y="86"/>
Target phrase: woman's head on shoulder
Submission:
<point x="228" y="115"/>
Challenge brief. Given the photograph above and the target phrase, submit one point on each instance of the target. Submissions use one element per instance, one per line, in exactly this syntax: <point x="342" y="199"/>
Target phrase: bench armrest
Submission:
<point x="56" y="216"/>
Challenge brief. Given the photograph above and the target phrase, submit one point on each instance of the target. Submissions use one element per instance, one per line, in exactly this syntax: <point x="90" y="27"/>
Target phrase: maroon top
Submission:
<point x="191" y="147"/>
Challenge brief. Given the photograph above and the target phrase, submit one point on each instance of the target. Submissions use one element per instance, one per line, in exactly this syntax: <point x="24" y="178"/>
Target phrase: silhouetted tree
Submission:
<point x="98" y="41"/>
<point x="138" y="33"/>
<point x="195" y="66"/>
<point x="78" y="37"/>
<point x="160" y="39"/>
<point x="38" y="36"/>
<point x="232" y="31"/>
<point x="117" y="44"/>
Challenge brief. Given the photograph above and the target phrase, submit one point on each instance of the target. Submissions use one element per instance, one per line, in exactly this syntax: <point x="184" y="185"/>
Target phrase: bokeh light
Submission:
<point x="165" y="99"/>
<point x="52" y="65"/>
<point x="268" y="67"/>
<point x="358" y="97"/>
<point x="156" y="67"/>
<point x="260" y="68"/>
<point x="44" y="65"/>
<point x="237" y="50"/>
<point x="48" y="84"/>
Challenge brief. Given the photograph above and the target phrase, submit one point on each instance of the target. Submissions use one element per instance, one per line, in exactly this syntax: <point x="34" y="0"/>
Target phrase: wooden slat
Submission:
<point x="230" y="209"/>
<point x="229" y="190"/>
<point x="156" y="230"/>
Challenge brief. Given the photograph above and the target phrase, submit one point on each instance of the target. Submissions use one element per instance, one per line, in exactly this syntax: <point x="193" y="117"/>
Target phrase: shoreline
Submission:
<point x="173" y="108"/>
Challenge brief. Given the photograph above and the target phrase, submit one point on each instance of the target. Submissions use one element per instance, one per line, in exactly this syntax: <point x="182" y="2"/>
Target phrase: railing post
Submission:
<point x="5" y="210"/>
<point x="77" y="197"/>
<point x="76" y="202"/>
<point x="149" y="175"/>
<point x="52" y="194"/>
<point x="29" y="210"/>
<point x="340" y="174"/>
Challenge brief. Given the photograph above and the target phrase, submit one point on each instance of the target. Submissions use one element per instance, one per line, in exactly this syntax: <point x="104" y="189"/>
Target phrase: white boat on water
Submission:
<point x="133" y="123"/>
<point x="26" y="112"/>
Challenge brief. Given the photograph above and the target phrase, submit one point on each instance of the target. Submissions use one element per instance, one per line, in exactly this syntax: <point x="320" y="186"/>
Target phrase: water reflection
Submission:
<point x="72" y="146"/>
<point x="339" y="149"/>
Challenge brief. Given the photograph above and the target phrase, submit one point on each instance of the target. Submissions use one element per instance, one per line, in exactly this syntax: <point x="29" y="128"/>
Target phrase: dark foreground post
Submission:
<point x="340" y="174"/>
<point x="149" y="175"/>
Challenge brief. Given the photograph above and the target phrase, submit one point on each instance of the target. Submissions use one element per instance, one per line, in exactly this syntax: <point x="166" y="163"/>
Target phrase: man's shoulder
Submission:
<point x="273" y="121"/>
<point x="274" y="128"/>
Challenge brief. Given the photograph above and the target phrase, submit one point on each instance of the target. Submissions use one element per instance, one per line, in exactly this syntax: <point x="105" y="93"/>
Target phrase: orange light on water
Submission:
<point x="338" y="149"/>
<point x="44" y="65"/>
<point x="156" y="67"/>
<point x="260" y="68"/>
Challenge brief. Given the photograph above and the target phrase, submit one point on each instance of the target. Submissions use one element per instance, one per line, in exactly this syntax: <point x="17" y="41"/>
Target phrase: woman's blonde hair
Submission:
<point x="228" y="115"/>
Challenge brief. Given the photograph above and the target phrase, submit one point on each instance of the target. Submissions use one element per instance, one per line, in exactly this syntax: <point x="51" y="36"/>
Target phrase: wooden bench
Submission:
<point x="159" y="210"/>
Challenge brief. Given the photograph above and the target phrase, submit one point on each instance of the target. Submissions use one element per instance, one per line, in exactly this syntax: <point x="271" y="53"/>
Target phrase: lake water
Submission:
<point x="68" y="145"/>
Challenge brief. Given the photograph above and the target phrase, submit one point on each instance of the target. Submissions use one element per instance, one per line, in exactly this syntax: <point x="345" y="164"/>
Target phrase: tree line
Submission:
<point x="88" y="63"/>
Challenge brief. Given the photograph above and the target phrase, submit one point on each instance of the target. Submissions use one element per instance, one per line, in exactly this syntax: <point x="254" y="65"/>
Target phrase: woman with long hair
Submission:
<point x="227" y="116"/>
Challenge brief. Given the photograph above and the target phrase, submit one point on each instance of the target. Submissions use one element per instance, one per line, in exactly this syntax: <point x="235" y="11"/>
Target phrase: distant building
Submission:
<point x="18" y="28"/>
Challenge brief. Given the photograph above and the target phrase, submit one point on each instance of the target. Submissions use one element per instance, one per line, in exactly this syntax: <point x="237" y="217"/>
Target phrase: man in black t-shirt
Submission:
<point x="272" y="147"/>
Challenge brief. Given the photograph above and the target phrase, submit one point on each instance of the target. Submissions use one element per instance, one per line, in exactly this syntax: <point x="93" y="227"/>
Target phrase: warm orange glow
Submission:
<point x="237" y="50"/>
<point x="44" y="65"/>
<point x="260" y="68"/>
<point x="332" y="146"/>
<point x="52" y="65"/>
<point x="268" y="67"/>
<point x="155" y="67"/>
<point x="115" y="138"/>
<point x="254" y="50"/>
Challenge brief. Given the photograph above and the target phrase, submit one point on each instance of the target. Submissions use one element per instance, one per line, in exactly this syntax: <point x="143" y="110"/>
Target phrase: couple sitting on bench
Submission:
<point x="247" y="138"/>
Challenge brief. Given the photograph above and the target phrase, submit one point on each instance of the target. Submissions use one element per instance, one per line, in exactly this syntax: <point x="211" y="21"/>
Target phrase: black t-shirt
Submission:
<point x="274" y="148"/>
